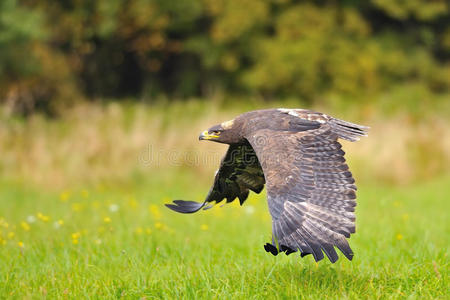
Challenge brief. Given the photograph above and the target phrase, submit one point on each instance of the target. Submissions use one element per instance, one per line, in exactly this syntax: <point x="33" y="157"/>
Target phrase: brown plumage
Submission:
<point x="310" y="191"/>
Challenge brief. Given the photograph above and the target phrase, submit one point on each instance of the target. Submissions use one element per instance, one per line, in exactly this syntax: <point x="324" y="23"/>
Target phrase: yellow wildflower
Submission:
<point x="399" y="236"/>
<point x="217" y="212"/>
<point x="265" y="217"/>
<point x="76" y="207"/>
<point x="107" y="219"/>
<point x="100" y="187"/>
<point x="85" y="193"/>
<point x="158" y="225"/>
<point x="25" y="226"/>
<point x="64" y="196"/>
<point x="20" y="244"/>
<point x="76" y="235"/>
<point x="43" y="217"/>
<point x="3" y="223"/>
<point x="154" y="210"/>
<point x="11" y="235"/>
<point x="58" y="223"/>
<point x="139" y="230"/>
<point x="204" y="227"/>
<point x="75" y="241"/>
<point x="132" y="202"/>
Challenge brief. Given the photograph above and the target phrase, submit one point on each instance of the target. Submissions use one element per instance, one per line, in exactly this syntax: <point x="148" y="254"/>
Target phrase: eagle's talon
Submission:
<point x="271" y="249"/>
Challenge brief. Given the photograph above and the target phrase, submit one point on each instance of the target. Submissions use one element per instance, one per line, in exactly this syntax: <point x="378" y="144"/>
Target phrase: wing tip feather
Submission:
<point x="185" y="207"/>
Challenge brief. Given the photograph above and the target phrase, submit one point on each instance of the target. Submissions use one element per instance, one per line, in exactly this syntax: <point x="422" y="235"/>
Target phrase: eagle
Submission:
<point x="296" y="154"/>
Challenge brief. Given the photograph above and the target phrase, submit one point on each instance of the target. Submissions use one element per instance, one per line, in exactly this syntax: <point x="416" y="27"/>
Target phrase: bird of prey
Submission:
<point x="296" y="154"/>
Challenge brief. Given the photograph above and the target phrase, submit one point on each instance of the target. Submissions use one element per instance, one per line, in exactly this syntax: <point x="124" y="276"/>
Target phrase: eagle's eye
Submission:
<point x="215" y="132"/>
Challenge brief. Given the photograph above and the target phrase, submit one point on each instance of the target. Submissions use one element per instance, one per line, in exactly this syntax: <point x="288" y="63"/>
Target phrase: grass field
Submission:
<point x="82" y="215"/>
<point x="119" y="241"/>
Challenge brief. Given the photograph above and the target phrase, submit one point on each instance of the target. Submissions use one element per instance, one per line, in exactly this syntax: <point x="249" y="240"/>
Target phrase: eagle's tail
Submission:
<point x="348" y="131"/>
<point x="185" y="207"/>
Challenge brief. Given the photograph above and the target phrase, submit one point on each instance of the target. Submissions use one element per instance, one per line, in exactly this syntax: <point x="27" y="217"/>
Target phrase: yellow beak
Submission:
<point x="206" y="136"/>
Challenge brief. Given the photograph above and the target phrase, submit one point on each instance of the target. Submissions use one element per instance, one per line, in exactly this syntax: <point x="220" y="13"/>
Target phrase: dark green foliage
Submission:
<point x="53" y="51"/>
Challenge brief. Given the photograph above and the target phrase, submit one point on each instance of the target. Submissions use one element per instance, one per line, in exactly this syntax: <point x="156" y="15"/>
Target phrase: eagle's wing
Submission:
<point x="239" y="172"/>
<point x="311" y="192"/>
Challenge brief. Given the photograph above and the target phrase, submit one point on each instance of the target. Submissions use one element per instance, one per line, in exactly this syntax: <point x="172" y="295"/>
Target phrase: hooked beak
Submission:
<point x="206" y="136"/>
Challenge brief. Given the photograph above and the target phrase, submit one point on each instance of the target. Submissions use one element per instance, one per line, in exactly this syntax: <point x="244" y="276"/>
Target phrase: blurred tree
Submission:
<point x="423" y="10"/>
<point x="52" y="52"/>
<point x="26" y="63"/>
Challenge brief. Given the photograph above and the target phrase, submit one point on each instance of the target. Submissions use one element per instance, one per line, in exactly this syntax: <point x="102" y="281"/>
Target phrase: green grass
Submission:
<point x="144" y="250"/>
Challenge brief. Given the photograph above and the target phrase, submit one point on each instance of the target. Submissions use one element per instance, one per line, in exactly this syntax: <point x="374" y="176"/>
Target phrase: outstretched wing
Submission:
<point x="239" y="173"/>
<point x="311" y="192"/>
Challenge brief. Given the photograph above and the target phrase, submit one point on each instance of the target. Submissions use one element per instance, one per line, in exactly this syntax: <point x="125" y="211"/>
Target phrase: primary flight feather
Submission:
<point x="296" y="154"/>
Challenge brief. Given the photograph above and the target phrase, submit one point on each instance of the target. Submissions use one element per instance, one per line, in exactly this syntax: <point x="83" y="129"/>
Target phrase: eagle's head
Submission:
<point x="228" y="132"/>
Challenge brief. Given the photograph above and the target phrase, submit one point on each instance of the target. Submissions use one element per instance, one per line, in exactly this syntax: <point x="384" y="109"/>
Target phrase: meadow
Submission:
<point x="82" y="215"/>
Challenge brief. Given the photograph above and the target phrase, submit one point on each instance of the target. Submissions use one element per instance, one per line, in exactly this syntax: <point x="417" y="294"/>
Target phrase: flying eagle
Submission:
<point x="296" y="153"/>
